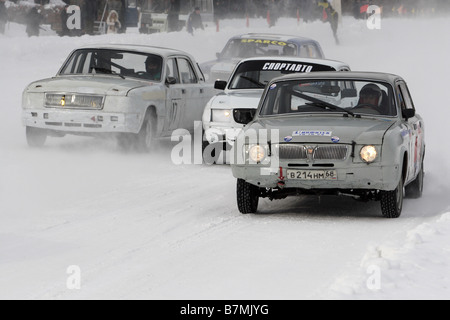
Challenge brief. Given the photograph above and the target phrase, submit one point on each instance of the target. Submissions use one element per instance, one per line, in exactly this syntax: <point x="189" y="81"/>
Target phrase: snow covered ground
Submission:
<point x="138" y="226"/>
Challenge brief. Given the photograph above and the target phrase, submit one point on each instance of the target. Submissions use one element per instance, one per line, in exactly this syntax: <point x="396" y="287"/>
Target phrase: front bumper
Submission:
<point x="81" y="121"/>
<point x="357" y="176"/>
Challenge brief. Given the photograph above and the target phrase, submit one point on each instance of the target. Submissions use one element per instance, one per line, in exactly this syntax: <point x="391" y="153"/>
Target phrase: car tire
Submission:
<point x="392" y="202"/>
<point x="145" y="140"/>
<point x="36" y="137"/>
<point x="414" y="190"/>
<point x="247" y="197"/>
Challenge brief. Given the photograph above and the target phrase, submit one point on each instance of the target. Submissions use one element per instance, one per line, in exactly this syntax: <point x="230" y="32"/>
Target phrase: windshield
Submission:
<point x="114" y="62"/>
<point x="246" y="48"/>
<point x="353" y="97"/>
<point x="256" y="74"/>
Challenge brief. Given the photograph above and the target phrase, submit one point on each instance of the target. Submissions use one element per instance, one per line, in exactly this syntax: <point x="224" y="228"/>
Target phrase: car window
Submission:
<point x="112" y="62"/>
<point x="257" y="73"/>
<point x="405" y="97"/>
<point x="309" y="51"/>
<point x="172" y="69"/>
<point x="319" y="96"/>
<point x="186" y="71"/>
<point x="245" y="48"/>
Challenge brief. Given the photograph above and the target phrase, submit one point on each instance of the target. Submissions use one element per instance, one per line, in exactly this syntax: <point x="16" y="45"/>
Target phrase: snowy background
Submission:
<point x="141" y="227"/>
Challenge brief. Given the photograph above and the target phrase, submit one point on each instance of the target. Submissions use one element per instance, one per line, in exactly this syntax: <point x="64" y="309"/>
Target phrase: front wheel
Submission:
<point x="146" y="137"/>
<point x="36" y="137"/>
<point x="392" y="202"/>
<point x="247" y="197"/>
<point x="144" y="140"/>
<point x="414" y="190"/>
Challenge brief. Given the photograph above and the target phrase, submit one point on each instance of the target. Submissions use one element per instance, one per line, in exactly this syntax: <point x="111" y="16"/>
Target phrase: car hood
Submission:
<point x="240" y="99"/>
<point x="326" y="129"/>
<point x="101" y="85"/>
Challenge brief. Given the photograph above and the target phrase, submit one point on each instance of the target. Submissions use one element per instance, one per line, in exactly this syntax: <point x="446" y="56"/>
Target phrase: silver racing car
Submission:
<point x="339" y="133"/>
<point x="136" y="93"/>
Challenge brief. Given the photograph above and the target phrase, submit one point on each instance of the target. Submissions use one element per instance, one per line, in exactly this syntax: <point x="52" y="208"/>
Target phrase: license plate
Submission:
<point x="311" y="174"/>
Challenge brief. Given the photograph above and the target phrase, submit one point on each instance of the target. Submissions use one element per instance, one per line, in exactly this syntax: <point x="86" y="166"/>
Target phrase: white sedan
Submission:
<point x="136" y="93"/>
<point x="243" y="92"/>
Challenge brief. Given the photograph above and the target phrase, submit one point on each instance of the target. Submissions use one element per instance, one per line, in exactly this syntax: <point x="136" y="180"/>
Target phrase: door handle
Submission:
<point x="183" y="91"/>
<point x="201" y="91"/>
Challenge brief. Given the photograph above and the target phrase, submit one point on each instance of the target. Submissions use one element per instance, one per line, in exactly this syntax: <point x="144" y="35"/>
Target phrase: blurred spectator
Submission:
<point x="306" y="10"/>
<point x="64" y="16"/>
<point x="273" y="13"/>
<point x="219" y="10"/>
<point x="173" y="15"/>
<point x="330" y="15"/>
<point x="195" y="21"/>
<point x="34" y="20"/>
<point x="3" y="16"/>
<point x="89" y="16"/>
<point x="112" y="22"/>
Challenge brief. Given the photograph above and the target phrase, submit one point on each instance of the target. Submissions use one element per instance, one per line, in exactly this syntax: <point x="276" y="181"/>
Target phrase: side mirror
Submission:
<point x="171" y="80"/>
<point x="220" y="85"/>
<point x="218" y="55"/>
<point x="408" y="113"/>
<point x="244" y="116"/>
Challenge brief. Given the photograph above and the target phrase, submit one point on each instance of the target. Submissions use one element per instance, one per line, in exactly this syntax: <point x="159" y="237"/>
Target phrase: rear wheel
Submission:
<point x="36" y="137"/>
<point x="392" y="202"/>
<point x="247" y="197"/>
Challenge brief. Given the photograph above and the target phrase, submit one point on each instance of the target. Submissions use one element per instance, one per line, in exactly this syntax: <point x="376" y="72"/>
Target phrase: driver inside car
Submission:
<point x="370" y="94"/>
<point x="373" y="100"/>
<point x="153" y="68"/>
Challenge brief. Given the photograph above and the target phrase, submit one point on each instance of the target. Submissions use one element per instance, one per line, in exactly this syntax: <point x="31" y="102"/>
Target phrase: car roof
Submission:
<point x="272" y="36"/>
<point x="332" y="63"/>
<point x="350" y="75"/>
<point x="137" y="48"/>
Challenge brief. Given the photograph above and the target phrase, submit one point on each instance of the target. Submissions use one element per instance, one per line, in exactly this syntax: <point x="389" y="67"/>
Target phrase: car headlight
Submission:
<point x="220" y="115"/>
<point x="257" y="153"/>
<point x="369" y="154"/>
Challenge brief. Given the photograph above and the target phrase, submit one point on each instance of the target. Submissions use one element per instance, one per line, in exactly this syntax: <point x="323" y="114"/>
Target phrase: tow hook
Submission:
<point x="281" y="183"/>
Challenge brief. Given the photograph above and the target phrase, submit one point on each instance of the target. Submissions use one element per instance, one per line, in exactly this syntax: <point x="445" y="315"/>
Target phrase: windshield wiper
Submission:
<point x="259" y="84"/>
<point x="322" y="104"/>
<point x="107" y="71"/>
<point x="326" y="105"/>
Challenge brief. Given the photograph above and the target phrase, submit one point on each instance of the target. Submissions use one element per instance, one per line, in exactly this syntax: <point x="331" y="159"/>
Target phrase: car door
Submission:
<point x="176" y="99"/>
<point x="415" y="133"/>
<point x="194" y="92"/>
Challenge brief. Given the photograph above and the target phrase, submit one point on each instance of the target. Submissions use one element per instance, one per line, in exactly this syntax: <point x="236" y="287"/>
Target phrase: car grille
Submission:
<point x="299" y="152"/>
<point x="292" y="152"/>
<point x="77" y="101"/>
